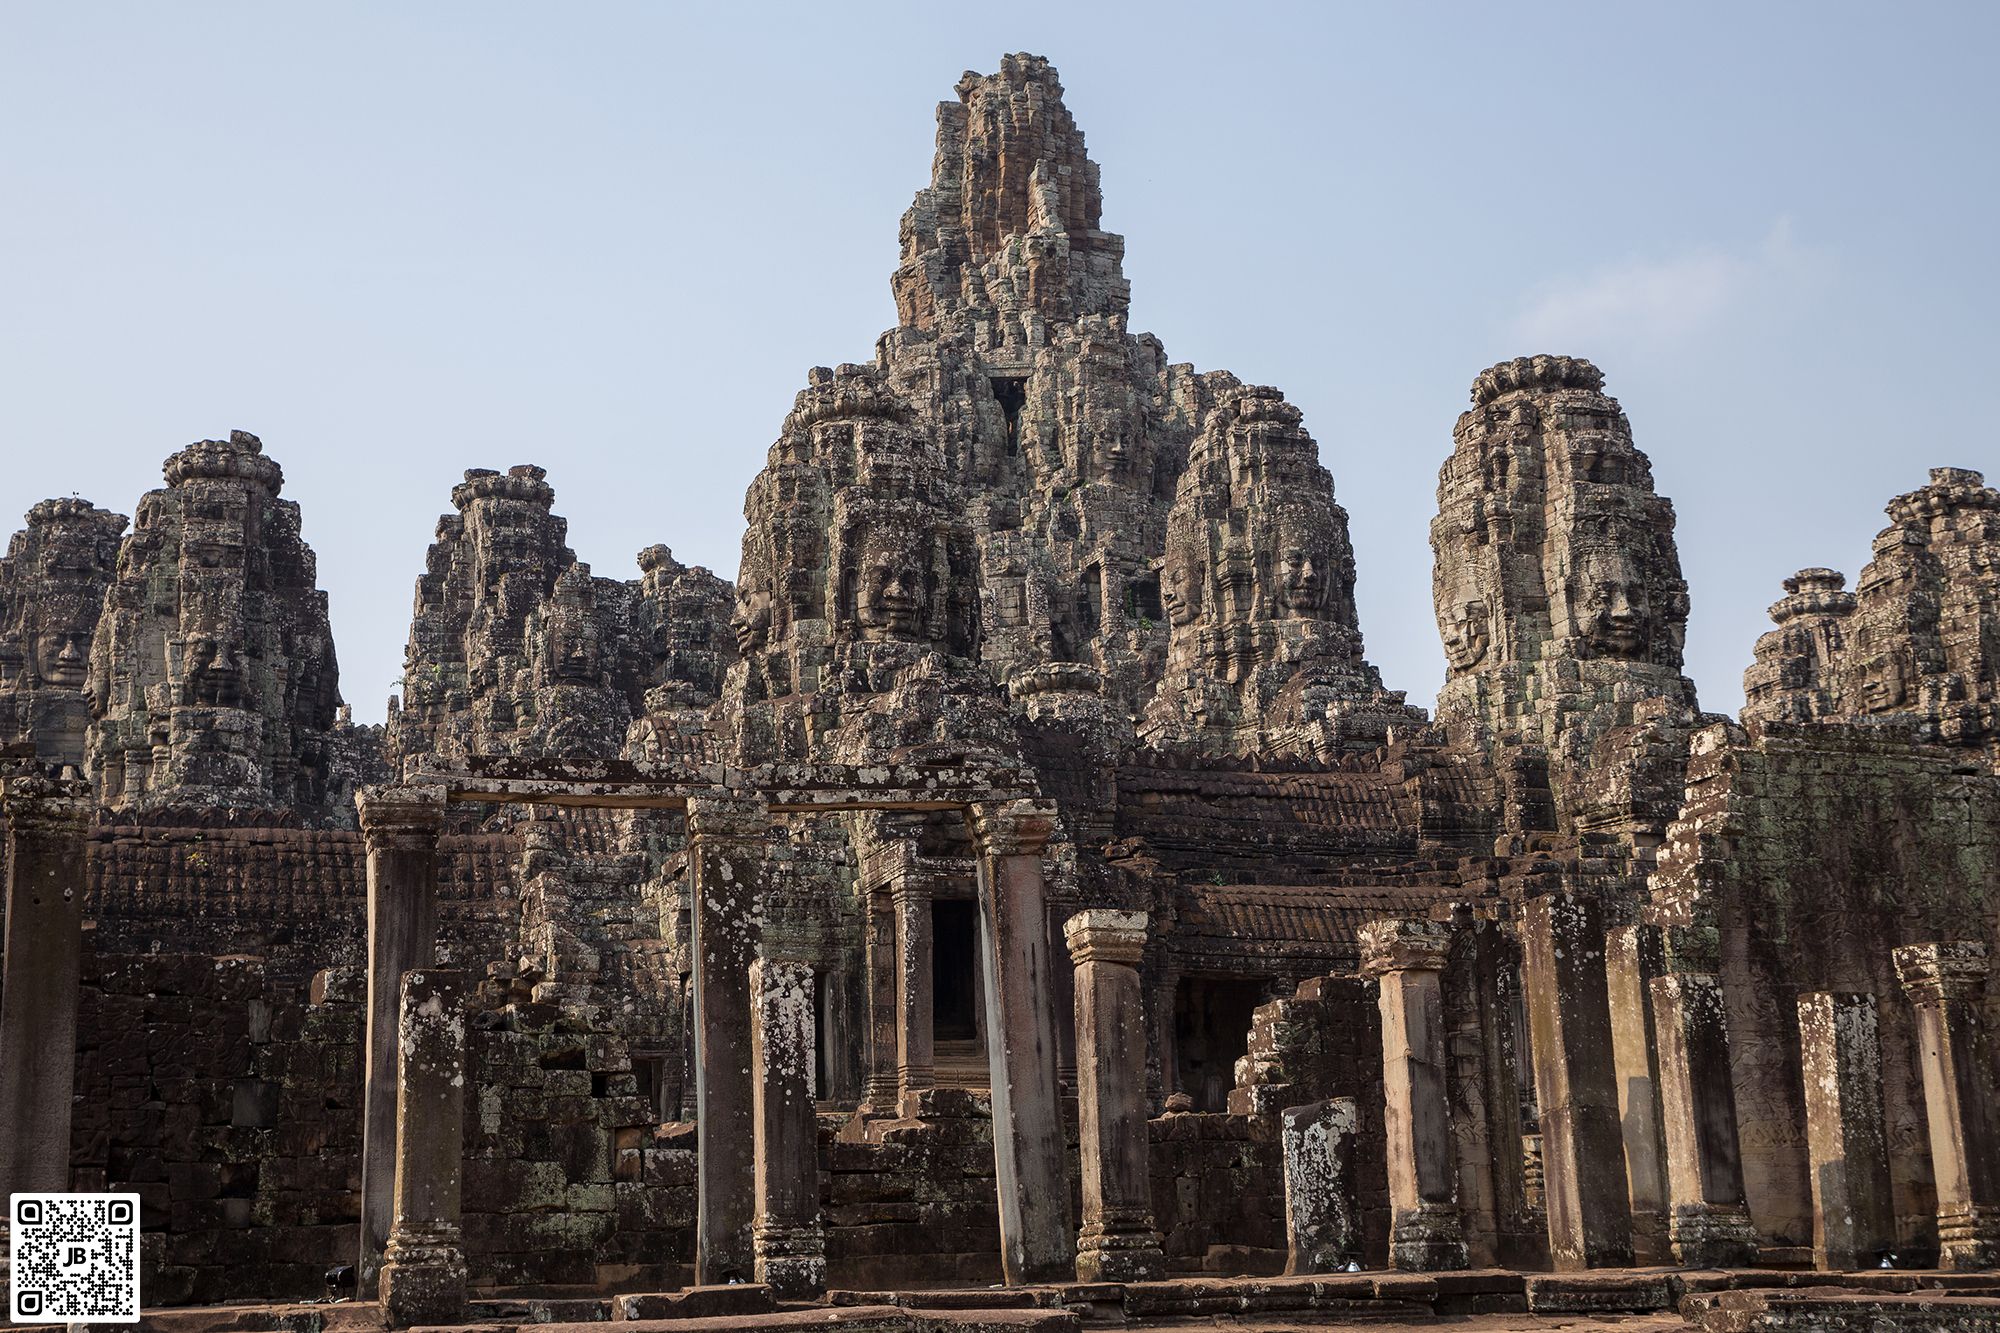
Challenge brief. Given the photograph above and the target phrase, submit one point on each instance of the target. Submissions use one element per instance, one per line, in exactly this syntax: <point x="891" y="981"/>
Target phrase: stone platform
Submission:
<point x="1487" y="1301"/>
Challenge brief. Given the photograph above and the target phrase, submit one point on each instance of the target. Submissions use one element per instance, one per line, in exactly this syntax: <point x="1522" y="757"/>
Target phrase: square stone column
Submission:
<point x="1632" y="958"/>
<point x="1118" y="1242"/>
<point x="47" y="820"/>
<point x="1708" y="1220"/>
<point x="916" y="1046"/>
<point x="1569" y="1028"/>
<point x="1944" y="982"/>
<point x="1322" y="1222"/>
<point x="879" y="1095"/>
<point x="790" y="1243"/>
<point x="1036" y="1244"/>
<point x="1840" y="1049"/>
<point x="726" y="845"/>
<point x="423" y="1270"/>
<point x="400" y="827"/>
<point x="1407" y="958"/>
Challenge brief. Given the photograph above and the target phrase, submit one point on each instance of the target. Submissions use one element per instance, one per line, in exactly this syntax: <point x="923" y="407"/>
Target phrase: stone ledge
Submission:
<point x="742" y="1298"/>
<point x="1837" y="1311"/>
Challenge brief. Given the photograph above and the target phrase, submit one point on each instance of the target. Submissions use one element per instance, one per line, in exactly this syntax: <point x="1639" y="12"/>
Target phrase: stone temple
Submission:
<point x="1016" y="900"/>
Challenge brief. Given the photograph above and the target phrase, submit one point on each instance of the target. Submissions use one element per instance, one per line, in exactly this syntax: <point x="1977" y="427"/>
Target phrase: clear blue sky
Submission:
<point x="399" y="240"/>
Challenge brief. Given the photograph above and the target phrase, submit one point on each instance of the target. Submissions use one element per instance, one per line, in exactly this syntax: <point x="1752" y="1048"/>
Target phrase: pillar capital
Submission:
<point x="1013" y="828"/>
<point x="1101" y="936"/>
<point x="1404" y="944"/>
<point x="1944" y="970"/>
<point x="728" y="815"/>
<point x="392" y="814"/>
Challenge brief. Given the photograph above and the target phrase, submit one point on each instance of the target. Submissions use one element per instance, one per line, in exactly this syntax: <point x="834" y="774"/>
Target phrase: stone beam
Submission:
<point x="423" y="1270"/>
<point x="399" y="827"/>
<point x="726" y="837"/>
<point x="785" y="788"/>
<point x="1944" y="982"/>
<point x="1118" y="1242"/>
<point x="1840" y="1049"/>
<point x="1407" y="958"/>
<point x="1028" y="1148"/>
<point x="1569" y="1025"/>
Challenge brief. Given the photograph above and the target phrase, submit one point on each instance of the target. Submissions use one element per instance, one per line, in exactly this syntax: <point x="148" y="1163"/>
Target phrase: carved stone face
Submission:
<point x="1302" y="579"/>
<point x="889" y="603"/>
<point x="751" y="620"/>
<point x="1180" y="589"/>
<point x="1608" y="604"/>
<point x="62" y="657"/>
<point x="213" y="678"/>
<point x="1465" y="626"/>
<point x="575" y="644"/>
<point x="1885" y="683"/>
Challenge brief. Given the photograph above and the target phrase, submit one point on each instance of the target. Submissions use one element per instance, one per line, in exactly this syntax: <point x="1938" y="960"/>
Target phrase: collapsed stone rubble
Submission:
<point x="1020" y="873"/>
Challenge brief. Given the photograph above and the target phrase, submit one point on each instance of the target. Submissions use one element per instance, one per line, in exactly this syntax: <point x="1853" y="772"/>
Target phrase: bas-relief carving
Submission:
<point x="52" y="583"/>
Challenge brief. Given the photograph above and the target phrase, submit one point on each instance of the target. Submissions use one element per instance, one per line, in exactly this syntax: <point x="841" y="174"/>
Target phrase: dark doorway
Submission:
<point x="1012" y="395"/>
<point x="1142" y="599"/>
<point x="1211" y="1033"/>
<point x="954" y="970"/>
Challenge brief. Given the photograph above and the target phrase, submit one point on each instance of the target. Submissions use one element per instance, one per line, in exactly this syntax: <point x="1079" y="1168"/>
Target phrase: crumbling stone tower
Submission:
<point x="212" y="674"/>
<point x="1918" y="638"/>
<point x="1560" y="601"/>
<point x="1264" y="648"/>
<point x="515" y="648"/>
<point x="52" y="584"/>
<point x="1066" y="430"/>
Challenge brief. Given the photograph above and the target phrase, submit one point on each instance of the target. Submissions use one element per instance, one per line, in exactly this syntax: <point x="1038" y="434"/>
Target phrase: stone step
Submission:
<point x="846" y="1319"/>
<point x="711" y="1302"/>
<point x="1827" y="1310"/>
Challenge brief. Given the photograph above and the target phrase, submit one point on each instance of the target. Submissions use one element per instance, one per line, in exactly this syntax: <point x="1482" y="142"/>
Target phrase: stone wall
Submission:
<point x="1803" y="855"/>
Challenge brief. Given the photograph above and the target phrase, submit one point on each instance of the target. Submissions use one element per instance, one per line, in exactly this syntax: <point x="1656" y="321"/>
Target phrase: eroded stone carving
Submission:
<point x="516" y="648"/>
<point x="1918" y="638"/>
<point x="52" y="586"/>
<point x="1559" y="596"/>
<point x="1264" y="649"/>
<point x="212" y="673"/>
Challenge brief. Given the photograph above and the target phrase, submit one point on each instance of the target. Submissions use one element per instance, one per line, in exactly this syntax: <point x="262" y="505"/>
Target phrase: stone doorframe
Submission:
<point x="729" y="811"/>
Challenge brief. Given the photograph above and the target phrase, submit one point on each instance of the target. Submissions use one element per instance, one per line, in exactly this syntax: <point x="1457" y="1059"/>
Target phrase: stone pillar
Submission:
<point x="1840" y="1055"/>
<point x="1322" y="1229"/>
<point x="1708" y="1220"/>
<point x="1028" y="1148"/>
<point x="423" y="1270"/>
<point x="1118" y="1242"/>
<point x="47" y="820"/>
<point x="1944" y="982"/>
<point x="1569" y="1027"/>
<point x="1632" y="958"/>
<point x="400" y="827"/>
<point x="1166" y="1055"/>
<point x="915" y="1044"/>
<point x="1407" y="958"/>
<point x="726" y="837"/>
<point x="790" y="1243"/>
<point x="879" y="1096"/>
